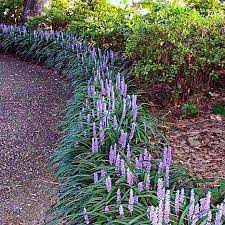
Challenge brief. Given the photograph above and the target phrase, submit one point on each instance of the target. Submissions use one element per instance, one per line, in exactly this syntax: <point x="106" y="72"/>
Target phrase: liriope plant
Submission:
<point x="105" y="161"/>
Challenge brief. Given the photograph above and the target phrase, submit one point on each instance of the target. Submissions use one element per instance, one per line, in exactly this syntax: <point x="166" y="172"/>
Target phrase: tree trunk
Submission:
<point x="32" y="8"/>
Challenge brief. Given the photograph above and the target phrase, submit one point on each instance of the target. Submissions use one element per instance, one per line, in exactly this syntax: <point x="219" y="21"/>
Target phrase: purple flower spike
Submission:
<point x="131" y="201"/>
<point x="140" y="186"/>
<point x="103" y="173"/>
<point x="95" y="177"/>
<point x="130" y="177"/>
<point x="167" y="208"/>
<point x="94" y="129"/>
<point x="111" y="156"/>
<point x="118" y="194"/>
<point x="218" y="217"/>
<point x="128" y="152"/>
<point x="160" y="212"/>
<point x="94" y="145"/>
<point x="118" y="81"/>
<point x="148" y="182"/>
<point x="101" y="134"/>
<point x="181" y="197"/>
<point x="115" y="122"/>
<point x="177" y="202"/>
<point x="192" y="206"/>
<point x="209" y="218"/>
<point x="107" y="209"/>
<point x="137" y="163"/>
<point x="121" y="211"/>
<point x="123" y="139"/>
<point x="86" y="219"/>
<point x="108" y="184"/>
<point x="167" y="176"/>
<point x="118" y="162"/>
<point x="122" y="167"/>
<point x="160" y="189"/>
<point x="167" y="157"/>
<point x="124" y="108"/>
<point x="133" y="127"/>
<point x="136" y="199"/>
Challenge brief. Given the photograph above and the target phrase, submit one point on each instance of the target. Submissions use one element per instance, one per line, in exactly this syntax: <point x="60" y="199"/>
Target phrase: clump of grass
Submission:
<point x="190" y="109"/>
<point x="219" y="108"/>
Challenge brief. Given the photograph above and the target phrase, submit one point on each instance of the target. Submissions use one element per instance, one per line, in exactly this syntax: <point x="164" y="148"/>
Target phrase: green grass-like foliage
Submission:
<point x="219" y="108"/>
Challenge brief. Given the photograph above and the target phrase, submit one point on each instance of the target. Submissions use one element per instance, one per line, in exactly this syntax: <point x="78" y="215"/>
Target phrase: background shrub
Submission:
<point x="10" y="10"/>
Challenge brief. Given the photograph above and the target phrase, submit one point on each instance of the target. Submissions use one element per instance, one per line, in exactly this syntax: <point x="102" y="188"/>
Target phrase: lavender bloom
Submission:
<point x="124" y="109"/>
<point x="103" y="173"/>
<point x="128" y="152"/>
<point x="118" y="162"/>
<point x="133" y="127"/>
<point x="123" y="139"/>
<point x="155" y="216"/>
<point x="140" y="186"/>
<point x="131" y="201"/>
<point x="147" y="161"/>
<point x="101" y="134"/>
<point x="112" y="156"/>
<point x="160" y="189"/>
<point x="86" y="219"/>
<point x="123" y="88"/>
<point x="137" y="163"/>
<point x="135" y="199"/>
<point x="209" y="218"/>
<point x="108" y="184"/>
<point x="94" y="129"/>
<point x="167" y="176"/>
<point x="167" y="157"/>
<point x="147" y="182"/>
<point x="160" y="168"/>
<point x="106" y="209"/>
<point x="115" y="122"/>
<point x="192" y="206"/>
<point x="94" y="145"/>
<point x="95" y="177"/>
<point x="140" y="159"/>
<point x="218" y="217"/>
<point x="160" y="212"/>
<point x="122" y="167"/>
<point x="181" y="197"/>
<point x="177" y="202"/>
<point x="121" y="211"/>
<point x="167" y="208"/>
<point x="118" y="194"/>
<point x="195" y="217"/>
<point x="130" y="177"/>
<point x="118" y="81"/>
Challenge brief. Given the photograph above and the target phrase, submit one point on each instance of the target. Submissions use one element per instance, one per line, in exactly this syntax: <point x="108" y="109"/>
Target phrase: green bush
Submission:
<point x="56" y="16"/>
<point x="206" y="7"/>
<point x="176" y="42"/>
<point x="10" y="10"/>
<point x="101" y="22"/>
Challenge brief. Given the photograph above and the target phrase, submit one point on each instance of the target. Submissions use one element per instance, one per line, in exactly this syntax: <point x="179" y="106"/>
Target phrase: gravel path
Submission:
<point x="31" y="100"/>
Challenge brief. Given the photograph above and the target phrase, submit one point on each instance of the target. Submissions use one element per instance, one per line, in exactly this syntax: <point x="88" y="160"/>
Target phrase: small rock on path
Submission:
<point x="31" y="101"/>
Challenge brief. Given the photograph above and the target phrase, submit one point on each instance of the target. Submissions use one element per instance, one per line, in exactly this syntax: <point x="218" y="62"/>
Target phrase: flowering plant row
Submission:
<point x="105" y="161"/>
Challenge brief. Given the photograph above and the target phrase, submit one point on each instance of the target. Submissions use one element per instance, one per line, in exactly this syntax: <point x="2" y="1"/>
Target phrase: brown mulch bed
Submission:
<point x="199" y="142"/>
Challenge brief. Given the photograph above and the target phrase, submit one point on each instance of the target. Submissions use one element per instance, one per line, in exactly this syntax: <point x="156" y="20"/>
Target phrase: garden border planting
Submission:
<point x="106" y="161"/>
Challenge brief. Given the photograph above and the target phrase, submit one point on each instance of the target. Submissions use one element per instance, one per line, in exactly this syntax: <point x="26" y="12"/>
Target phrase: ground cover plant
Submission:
<point x="106" y="161"/>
